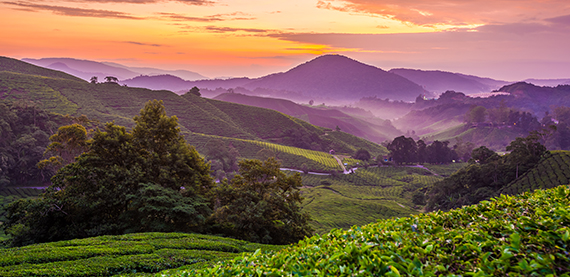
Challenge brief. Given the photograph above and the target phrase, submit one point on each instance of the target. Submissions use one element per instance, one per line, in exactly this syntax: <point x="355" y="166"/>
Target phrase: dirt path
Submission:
<point x="340" y="163"/>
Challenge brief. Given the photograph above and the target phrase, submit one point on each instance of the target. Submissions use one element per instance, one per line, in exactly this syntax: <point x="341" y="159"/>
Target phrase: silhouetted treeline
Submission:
<point x="405" y="150"/>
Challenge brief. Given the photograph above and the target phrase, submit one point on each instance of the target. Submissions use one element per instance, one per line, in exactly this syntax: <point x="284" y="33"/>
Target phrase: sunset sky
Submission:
<point x="503" y="39"/>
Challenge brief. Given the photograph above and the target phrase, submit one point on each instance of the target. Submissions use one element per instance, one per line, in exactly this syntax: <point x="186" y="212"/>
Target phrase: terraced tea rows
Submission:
<point x="553" y="171"/>
<point x="290" y="157"/>
<point x="125" y="254"/>
<point x="388" y="187"/>
<point x="322" y="158"/>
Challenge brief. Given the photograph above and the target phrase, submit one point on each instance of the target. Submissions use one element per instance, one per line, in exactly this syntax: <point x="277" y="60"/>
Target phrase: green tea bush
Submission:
<point x="526" y="235"/>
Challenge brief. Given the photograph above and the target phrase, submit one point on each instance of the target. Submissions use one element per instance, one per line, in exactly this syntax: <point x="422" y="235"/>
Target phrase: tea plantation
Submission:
<point x="362" y="197"/>
<point x="553" y="171"/>
<point x="526" y="235"/>
<point x="132" y="254"/>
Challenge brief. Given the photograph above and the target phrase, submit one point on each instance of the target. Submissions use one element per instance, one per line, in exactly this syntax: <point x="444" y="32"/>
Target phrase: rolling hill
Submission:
<point x="331" y="77"/>
<point x="64" y="94"/>
<point x="496" y="138"/>
<point x="159" y="82"/>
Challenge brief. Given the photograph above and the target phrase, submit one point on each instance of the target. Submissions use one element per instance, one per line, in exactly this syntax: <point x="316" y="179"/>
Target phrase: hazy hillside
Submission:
<point x="495" y="138"/>
<point x="548" y="82"/>
<point x="339" y="77"/>
<point x="326" y="78"/>
<point x="433" y="119"/>
<point x="184" y="74"/>
<point x="15" y="66"/>
<point x="83" y="69"/>
<point x="86" y="69"/>
<point x="440" y="81"/>
<point x="167" y="82"/>
<point x="325" y="117"/>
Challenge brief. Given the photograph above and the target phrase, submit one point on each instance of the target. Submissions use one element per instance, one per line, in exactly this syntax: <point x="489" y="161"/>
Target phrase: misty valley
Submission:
<point x="332" y="168"/>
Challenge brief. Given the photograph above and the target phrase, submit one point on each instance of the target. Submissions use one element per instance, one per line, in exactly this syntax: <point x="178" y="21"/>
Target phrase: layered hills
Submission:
<point x="437" y="81"/>
<point x="328" y="77"/>
<point x="61" y="93"/>
<point x="364" y="127"/>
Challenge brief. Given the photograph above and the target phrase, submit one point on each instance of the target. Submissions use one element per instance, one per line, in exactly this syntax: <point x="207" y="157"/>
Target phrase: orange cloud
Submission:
<point x="189" y="2"/>
<point x="210" y="18"/>
<point x="451" y="12"/>
<point x="68" y="11"/>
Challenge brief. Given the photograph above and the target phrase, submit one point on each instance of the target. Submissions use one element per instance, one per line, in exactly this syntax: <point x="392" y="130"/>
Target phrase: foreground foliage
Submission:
<point x="126" y="254"/>
<point x="524" y="235"/>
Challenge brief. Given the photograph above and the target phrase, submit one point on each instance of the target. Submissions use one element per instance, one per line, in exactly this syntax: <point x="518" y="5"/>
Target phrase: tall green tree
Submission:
<point x="262" y="204"/>
<point x="403" y="150"/>
<point x="362" y="154"/>
<point x="69" y="142"/>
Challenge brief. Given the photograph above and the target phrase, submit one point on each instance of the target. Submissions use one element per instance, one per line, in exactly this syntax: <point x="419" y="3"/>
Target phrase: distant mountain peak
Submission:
<point x="340" y="77"/>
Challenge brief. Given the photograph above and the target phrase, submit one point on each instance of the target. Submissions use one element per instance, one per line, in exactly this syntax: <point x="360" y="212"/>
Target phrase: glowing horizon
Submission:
<point x="492" y="38"/>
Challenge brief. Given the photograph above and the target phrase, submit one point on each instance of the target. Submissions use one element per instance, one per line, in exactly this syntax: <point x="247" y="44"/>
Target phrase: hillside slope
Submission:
<point x="551" y="172"/>
<point x="85" y="69"/>
<point x="15" y="66"/>
<point x="324" y="117"/>
<point x="495" y="138"/>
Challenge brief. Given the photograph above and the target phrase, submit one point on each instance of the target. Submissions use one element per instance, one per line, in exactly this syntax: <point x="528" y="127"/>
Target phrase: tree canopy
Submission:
<point x="145" y="180"/>
<point x="486" y="174"/>
<point x="262" y="204"/>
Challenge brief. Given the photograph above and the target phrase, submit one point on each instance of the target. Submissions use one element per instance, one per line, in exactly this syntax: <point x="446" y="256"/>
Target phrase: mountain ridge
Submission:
<point x="85" y="69"/>
<point x="438" y="81"/>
